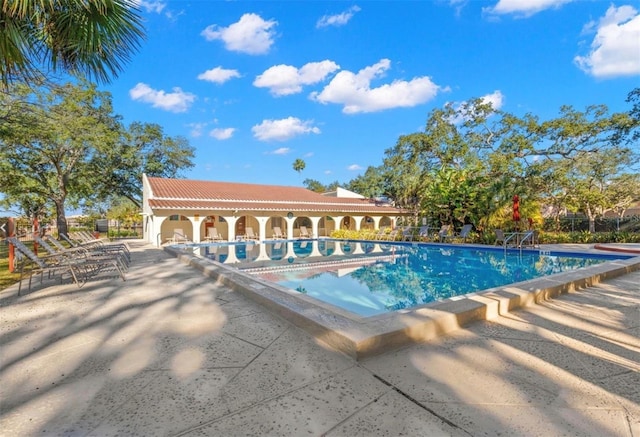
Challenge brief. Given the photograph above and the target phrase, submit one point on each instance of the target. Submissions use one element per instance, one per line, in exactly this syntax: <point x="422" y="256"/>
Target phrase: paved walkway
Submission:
<point x="170" y="352"/>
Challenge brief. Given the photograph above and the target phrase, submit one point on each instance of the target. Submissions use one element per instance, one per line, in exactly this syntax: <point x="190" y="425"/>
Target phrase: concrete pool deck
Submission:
<point x="173" y="352"/>
<point x="361" y="337"/>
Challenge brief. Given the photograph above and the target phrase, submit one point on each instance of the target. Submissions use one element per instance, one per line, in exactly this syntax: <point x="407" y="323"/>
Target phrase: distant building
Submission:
<point x="194" y="206"/>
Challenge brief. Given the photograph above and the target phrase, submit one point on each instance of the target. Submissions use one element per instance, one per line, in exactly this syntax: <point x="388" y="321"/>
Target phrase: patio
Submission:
<point x="172" y="352"/>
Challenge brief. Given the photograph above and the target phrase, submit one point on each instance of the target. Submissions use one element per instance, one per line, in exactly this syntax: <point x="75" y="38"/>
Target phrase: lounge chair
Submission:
<point x="213" y="235"/>
<point x="443" y="233"/>
<point x="96" y="251"/>
<point x="423" y="233"/>
<point x="94" y="244"/>
<point x="249" y="234"/>
<point x="179" y="236"/>
<point x="79" y="268"/>
<point x="464" y="233"/>
<point x="501" y="239"/>
<point x="304" y="233"/>
<point x="381" y="234"/>
<point x="407" y="234"/>
<point x="391" y="236"/>
<point x="277" y="233"/>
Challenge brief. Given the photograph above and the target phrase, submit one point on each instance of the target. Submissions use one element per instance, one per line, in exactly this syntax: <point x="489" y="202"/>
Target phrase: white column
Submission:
<point x="195" y="220"/>
<point x="262" y="227"/>
<point x="337" y="219"/>
<point x="314" y="226"/>
<point x="376" y="221"/>
<point x="358" y="221"/>
<point x="231" y="226"/>
<point x="290" y="222"/>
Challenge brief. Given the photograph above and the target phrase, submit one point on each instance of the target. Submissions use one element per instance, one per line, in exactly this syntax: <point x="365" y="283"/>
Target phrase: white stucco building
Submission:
<point x="193" y="206"/>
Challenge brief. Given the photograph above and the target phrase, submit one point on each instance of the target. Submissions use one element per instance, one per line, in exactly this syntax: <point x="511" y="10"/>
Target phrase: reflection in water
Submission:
<point x="370" y="278"/>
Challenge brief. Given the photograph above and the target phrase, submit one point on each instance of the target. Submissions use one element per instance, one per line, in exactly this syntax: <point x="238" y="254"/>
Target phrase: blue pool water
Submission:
<point x="369" y="278"/>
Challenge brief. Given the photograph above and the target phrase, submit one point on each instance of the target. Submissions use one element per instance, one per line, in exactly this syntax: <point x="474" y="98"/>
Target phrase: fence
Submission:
<point x="581" y="224"/>
<point x="112" y="229"/>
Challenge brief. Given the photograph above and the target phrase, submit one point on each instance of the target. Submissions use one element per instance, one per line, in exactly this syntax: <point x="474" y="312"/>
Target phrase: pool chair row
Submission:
<point x="79" y="264"/>
<point x="214" y="235"/>
<point x="424" y="233"/>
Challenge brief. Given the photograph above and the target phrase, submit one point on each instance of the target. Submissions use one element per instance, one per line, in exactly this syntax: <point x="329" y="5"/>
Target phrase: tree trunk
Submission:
<point x="592" y="221"/>
<point x="61" y="219"/>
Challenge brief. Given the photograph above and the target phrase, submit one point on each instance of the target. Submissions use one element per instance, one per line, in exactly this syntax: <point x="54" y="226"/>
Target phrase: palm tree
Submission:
<point x="94" y="38"/>
<point x="299" y="165"/>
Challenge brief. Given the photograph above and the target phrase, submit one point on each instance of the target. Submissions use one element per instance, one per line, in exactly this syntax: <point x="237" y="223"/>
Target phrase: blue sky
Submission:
<point x="255" y="85"/>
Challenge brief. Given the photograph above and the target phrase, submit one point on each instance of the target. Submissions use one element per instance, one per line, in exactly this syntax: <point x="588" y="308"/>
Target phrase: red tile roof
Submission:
<point x="194" y="194"/>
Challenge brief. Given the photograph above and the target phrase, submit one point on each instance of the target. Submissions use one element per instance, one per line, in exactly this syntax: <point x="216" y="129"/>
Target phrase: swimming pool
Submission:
<point x="372" y="278"/>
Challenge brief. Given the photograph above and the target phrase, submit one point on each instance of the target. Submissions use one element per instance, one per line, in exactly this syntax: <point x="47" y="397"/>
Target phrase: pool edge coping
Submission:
<point x="362" y="337"/>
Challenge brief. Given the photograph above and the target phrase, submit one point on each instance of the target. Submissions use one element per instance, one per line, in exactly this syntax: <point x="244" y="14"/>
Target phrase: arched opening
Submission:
<point x="176" y="225"/>
<point x="385" y="222"/>
<point x="302" y="224"/>
<point x="214" y="222"/>
<point x="347" y="223"/>
<point x="367" y="223"/>
<point x="326" y="226"/>
<point x="276" y="228"/>
<point x="248" y="227"/>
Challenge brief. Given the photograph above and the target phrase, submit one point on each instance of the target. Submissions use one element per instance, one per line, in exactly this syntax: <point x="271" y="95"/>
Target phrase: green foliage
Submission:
<point x="92" y="38"/>
<point x="585" y="237"/>
<point x="318" y="187"/>
<point x="299" y="165"/>
<point x="63" y="146"/>
<point x="471" y="159"/>
<point x="371" y="184"/>
<point x="347" y="234"/>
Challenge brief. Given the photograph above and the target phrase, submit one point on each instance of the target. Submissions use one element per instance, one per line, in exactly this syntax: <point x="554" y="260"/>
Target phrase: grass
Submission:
<point x="7" y="278"/>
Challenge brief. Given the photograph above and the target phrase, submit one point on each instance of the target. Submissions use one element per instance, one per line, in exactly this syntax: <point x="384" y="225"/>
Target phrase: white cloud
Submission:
<point x="354" y="167"/>
<point x="615" y="50"/>
<point x="196" y="129"/>
<point x="251" y="34"/>
<point x="338" y="19"/>
<point x="283" y="80"/>
<point x="523" y="8"/>
<point x="222" y="134"/>
<point x="282" y="130"/>
<point x="458" y="5"/>
<point x="496" y="99"/>
<point x="355" y="93"/>
<point x="218" y="75"/>
<point x="281" y="151"/>
<point x="176" y="101"/>
<point x="150" y="6"/>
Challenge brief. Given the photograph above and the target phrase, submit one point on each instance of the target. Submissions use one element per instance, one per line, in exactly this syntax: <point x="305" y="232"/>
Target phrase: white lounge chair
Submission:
<point x="213" y="235"/>
<point x="277" y="233"/>
<point x="304" y="233"/>
<point x="249" y="234"/>
<point x="178" y="236"/>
